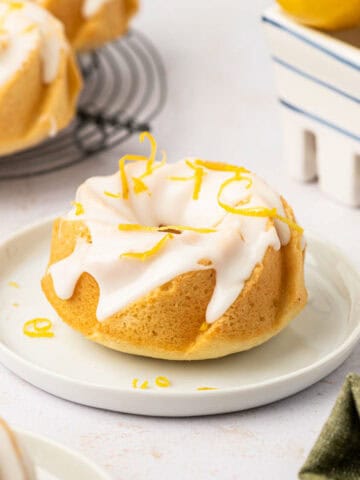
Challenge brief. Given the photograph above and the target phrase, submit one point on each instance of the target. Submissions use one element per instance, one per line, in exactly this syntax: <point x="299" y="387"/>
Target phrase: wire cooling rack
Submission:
<point x="124" y="89"/>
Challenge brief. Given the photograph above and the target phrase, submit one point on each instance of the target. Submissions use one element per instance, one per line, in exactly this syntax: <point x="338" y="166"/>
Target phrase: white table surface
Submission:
<point x="221" y="106"/>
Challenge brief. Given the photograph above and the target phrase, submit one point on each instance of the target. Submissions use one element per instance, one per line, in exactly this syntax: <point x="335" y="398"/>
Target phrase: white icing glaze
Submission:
<point x="237" y="246"/>
<point x="91" y="7"/>
<point x="26" y="29"/>
<point x="15" y="463"/>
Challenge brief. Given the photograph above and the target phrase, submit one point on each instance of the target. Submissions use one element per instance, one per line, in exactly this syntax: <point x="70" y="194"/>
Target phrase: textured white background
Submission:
<point x="221" y="106"/>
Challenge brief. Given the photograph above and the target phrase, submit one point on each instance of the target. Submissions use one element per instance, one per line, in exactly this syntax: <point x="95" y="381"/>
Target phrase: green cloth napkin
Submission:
<point x="336" y="453"/>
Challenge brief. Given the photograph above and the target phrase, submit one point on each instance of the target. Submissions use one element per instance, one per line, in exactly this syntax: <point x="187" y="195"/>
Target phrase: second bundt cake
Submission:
<point x="91" y="23"/>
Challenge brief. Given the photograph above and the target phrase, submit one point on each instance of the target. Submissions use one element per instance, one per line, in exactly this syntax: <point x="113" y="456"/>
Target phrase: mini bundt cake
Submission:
<point x="39" y="79"/>
<point x="15" y="463"/>
<point x="91" y="23"/>
<point x="184" y="261"/>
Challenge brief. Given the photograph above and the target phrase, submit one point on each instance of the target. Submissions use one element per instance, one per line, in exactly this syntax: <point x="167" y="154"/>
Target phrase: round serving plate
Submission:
<point x="124" y="90"/>
<point x="55" y="462"/>
<point x="71" y="367"/>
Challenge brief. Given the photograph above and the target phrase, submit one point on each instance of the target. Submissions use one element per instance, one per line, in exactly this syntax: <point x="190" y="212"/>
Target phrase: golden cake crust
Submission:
<point x="166" y="323"/>
<point x="31" y="109"/>
<point x="110" y="22"/>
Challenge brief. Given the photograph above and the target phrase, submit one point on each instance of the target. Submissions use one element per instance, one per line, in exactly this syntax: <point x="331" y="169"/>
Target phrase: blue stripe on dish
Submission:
<point x="312" y="43"/>
<point x="315" y="80"/>
<point x="320" y="120"/>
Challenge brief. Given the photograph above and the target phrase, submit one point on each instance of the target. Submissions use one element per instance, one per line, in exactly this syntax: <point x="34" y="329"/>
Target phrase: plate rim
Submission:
<point x="344" y="348"/>
<point x="26" y="435"/>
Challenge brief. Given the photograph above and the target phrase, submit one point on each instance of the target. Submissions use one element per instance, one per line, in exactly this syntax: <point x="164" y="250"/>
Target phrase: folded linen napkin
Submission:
<point x="336" y="453"/>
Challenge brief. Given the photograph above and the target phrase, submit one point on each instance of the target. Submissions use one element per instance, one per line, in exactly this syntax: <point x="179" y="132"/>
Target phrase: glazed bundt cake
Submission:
<point x="91" y="23"/>
<point x="39" y="79"/>
<point x="182" y="261"/>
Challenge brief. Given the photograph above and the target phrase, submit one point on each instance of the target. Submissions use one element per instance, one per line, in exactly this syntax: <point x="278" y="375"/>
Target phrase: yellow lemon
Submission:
<point x="324" y="14"/>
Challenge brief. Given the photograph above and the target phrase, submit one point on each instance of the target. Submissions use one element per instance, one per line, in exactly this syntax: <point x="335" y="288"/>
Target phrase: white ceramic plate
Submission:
<point x="55" y="462"/>
<point x="72" y="367"/>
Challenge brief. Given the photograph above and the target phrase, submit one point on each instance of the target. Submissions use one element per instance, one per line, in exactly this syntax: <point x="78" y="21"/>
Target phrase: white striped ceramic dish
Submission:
<point x="318" y="82"/>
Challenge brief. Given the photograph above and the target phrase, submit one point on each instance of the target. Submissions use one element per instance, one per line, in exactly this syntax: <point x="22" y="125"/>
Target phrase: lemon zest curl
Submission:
<point x="123" y="177"/>
<point x="139" y="185"/>
<point x="148" y="253"/>
<point x="112" y="195"/>
<point x="197" y="177"/>
<point x="79" y="208"/>
<point x="37" y="330"/>
<point x="253" y="211"/>
<point x="134" y="382"/>
<point x="162" y="382"/>
<point x="220" y="166"/>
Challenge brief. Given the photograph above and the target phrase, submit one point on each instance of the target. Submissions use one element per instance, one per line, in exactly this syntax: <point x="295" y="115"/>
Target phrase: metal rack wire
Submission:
<point x="125" y="88"/>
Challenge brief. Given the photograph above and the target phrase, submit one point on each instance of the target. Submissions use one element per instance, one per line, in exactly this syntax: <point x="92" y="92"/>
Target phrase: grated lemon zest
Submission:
<point x="123" y="177"/>
<point x="253" y="211"/>
<point x="144" y="385"/>
<point x="138" y="181"/>
<point x="197" y="177"/>
<point x="162" y="382"/>
<point x="13" y="284"/>
<point x="250" y="211"/>
<point x="79" y="208"/>
<point x="156" y="166"/>
<point x="129" y="227"/>
<point x="290" y="223"/>
<point x="220" y="166"/>
<point x="206" y="388"/>
<point x="134" y="382"/>
<point x="133" y="227"/>
<point x="149" y="253"/>
<point x="153" y="145"/>
<point x="112" y="195"/>
<point x="139" y="185"/>
<point x="183" y="228"/>
<point x="38" y="330"/>
<point x="191" y="165"/>
<point x="237" y="178"/>
<point x="204" y="326"/>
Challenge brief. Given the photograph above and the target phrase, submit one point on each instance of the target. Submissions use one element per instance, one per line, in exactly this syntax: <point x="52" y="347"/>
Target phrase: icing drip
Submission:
<point x="25" y="27"/>
<point x="14" y="461"/>
<point x="91" y="7"/>
<point x="236" y="246"/>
